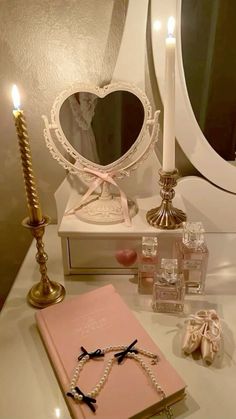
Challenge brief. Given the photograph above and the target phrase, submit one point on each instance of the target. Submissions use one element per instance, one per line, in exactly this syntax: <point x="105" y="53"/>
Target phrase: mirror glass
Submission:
<point x="102" y="129"/>
<point x="209" y="59"/>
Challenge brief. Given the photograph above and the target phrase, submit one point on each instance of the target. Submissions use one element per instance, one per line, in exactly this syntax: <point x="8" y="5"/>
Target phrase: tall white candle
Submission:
<point x="169" y="101"/>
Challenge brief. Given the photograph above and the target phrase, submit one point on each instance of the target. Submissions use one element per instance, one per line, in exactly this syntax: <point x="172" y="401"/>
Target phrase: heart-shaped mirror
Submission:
<point x="106" y="132"/>
<point x="102" y="130"/>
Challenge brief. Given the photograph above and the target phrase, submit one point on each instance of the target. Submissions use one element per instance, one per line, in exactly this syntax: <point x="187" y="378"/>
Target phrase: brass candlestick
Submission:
<point x="45" y="292"/>
<point x="166" y="216"/>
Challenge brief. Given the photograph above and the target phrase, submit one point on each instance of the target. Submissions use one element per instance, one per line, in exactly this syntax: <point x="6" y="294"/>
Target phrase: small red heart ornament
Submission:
<point x="126" y="257"/>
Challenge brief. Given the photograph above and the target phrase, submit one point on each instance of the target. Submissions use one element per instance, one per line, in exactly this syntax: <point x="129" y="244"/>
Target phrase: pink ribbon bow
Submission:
<point x="210" y="325"/>
<point x="100" y="178"/>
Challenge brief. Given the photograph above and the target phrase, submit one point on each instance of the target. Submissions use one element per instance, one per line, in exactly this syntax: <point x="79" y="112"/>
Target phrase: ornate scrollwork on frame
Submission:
<point x="87" y="155"/>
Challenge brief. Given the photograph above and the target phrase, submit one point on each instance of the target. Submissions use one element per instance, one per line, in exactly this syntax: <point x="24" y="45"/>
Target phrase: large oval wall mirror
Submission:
<point x="101" y="134"/>
<point x="200" y="145"/>
<point x="209" y="60"/>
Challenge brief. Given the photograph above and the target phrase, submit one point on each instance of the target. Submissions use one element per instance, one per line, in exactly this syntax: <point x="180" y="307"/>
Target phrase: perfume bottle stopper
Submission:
<point x="147" y="265"/>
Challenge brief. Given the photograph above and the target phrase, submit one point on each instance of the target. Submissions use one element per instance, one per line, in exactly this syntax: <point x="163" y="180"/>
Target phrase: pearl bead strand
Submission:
<point x="96" y="390"/>
<point x="132" y="355"/>
<point x="149" y="372"/>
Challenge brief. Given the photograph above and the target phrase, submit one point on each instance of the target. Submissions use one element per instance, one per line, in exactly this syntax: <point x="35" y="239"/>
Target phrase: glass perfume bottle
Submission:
<point x="192" y="253"/>
<point x="169" y="288"/>
<point x="147" y="265"/>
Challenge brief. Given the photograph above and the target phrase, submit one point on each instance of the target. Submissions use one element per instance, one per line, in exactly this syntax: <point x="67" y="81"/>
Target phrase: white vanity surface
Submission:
<point x="28" y="386"/>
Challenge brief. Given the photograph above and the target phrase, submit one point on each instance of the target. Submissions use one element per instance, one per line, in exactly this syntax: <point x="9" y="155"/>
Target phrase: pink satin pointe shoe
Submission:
<point x="211" y="337"/>
<point x="194" y="329"/>
<point x="204" y="331"/>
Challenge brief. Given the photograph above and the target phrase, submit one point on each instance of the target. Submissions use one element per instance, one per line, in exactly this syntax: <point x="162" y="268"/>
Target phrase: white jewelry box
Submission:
<point x="90" y="248"/>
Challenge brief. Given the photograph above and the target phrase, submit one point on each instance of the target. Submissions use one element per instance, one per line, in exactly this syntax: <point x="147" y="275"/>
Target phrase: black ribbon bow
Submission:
<point x="121" y="355"/>
<point x="86" y="399"/>
<point x="94" y="354"/>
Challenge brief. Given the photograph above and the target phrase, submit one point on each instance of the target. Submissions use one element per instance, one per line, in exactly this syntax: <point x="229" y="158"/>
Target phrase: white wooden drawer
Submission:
<point x="97" y="255"/>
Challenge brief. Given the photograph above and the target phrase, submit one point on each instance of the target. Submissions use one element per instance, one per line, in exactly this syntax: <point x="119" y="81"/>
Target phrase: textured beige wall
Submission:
<point x="44" y="46"/>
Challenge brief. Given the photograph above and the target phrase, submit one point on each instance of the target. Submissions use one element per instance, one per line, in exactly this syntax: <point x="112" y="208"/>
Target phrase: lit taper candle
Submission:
<point x="35" y="213"/>
<point x="169" y="101"/>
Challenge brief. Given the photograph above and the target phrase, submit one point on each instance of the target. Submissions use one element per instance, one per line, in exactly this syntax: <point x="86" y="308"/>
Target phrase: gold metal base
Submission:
<point x="166" y="216"/>
<point x="45" y="292"/>
<point x="40" y="296"/>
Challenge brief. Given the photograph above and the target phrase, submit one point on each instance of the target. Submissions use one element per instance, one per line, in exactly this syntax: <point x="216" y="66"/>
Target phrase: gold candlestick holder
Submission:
<point x="45" y="292"/>
<point x="166" y="216"/>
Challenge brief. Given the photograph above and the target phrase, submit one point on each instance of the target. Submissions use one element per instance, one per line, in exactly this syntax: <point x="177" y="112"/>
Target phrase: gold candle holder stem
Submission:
<point x="45" y="292"/>
<point x="166" y="216"/>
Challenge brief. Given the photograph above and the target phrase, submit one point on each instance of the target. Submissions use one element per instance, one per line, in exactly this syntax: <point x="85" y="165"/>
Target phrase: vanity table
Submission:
<point x="28" y="386"/>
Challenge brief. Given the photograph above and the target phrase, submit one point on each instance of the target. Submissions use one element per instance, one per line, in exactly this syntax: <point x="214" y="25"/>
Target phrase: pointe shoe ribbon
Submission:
<point x="203" y="329"/>
<point x="211" y="337"/>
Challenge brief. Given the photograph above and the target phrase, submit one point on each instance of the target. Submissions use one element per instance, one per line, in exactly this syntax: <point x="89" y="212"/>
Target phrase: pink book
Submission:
<point x="96" y="320"/>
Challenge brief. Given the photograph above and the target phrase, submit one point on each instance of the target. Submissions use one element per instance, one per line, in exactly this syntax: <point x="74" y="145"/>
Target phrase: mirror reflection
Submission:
<point x="102" y="129"/>
<point x="209" y="59"/>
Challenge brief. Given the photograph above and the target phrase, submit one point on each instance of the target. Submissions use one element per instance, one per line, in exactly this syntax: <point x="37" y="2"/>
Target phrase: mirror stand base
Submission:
<point x="105" y="211"/>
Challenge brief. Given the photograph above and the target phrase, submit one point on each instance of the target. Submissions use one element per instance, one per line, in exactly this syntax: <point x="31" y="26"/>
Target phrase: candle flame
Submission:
<point x="16" y="97"/>
<point x="157" y="25"/>
<point x="171" y="26"/>
<point x="57" y="412"/>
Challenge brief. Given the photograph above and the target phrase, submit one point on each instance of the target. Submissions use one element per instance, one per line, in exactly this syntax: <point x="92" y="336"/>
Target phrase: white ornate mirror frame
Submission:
<point x="189" y="135"/>
<point x="106" y="208"/>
